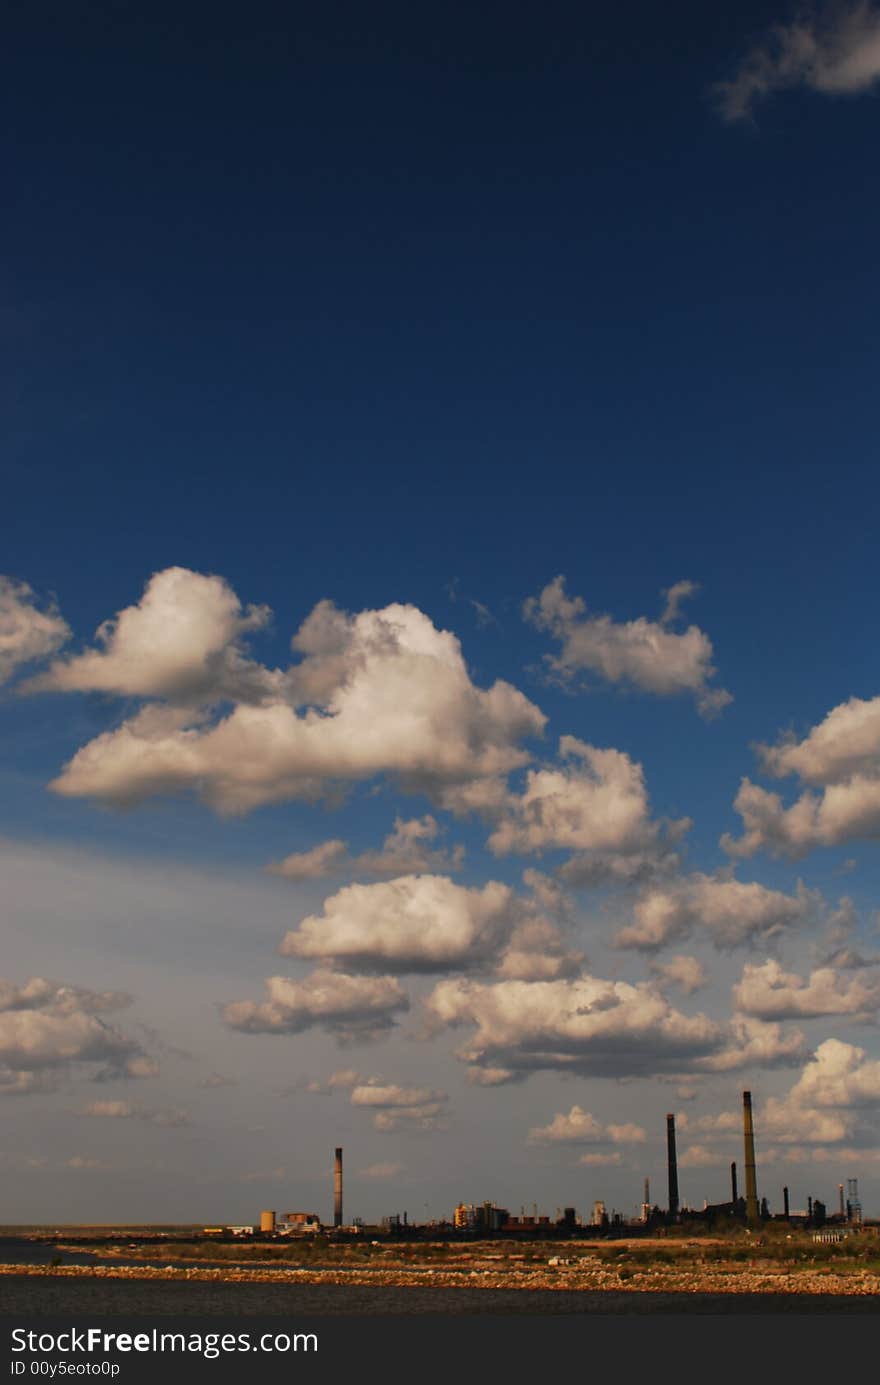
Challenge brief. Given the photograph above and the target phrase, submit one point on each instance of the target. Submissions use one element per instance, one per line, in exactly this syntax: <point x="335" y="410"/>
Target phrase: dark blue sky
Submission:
<point x="445" y="268"/>
<point x="353" y="303"/>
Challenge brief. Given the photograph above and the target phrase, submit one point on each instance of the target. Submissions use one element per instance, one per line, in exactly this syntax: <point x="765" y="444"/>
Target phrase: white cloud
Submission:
<point x="686" y="972"/>
<point x="583" y="1025"/>
<point x="841" y="813"/>
<point x="182" y="641"/>
<point x="405" y="851"/>
<point x="26" y="632"/>
<point x="350" y="1007"/>
<point x="598" y="1160"/>
<point x="787" y="1122"/>
<point x="752" y="1043"/>
<point x="394" y="1106"/>
<point x="834" y="50"/>
<point x="839" y="1074"/>
<point x="643" y="653"/>
<point x="841" y="758"/>
<point x="699" y="1157"/>
<point x="417" y="923"/>
<point x="325" y="859"/>
<point x="594" y="804"/>
<point x="427" y="923"/>
<point x="382" y="692"/>
<point x="493" y="1077"/>
<point x="846" y="742"/>
<point x="50" y="1031"/>
<point x="770" y="993"/>
<point x="581" y="1127"/>
<point x="729" y="912"/>
<point x="722" y="1123"/>
<point x="838" y="1085"/>
<point x="536" y="952"/>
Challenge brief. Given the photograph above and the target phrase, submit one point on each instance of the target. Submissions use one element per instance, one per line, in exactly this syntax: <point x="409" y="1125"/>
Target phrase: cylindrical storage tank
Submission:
<point x="267" y="1221"/>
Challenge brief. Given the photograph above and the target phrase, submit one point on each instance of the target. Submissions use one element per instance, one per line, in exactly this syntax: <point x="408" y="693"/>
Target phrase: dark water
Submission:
<point x="33" y="1296"/>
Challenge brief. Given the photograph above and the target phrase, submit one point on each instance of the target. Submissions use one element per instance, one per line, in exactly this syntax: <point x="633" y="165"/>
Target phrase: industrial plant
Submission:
<point x="487" y="1220"/>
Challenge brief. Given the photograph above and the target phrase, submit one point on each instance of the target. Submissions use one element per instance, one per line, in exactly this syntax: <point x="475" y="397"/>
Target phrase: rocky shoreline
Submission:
<point x="734" y="1280"/>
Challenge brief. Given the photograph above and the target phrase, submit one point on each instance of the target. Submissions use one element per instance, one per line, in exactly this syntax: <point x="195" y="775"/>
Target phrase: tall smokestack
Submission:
<point x="733" y="1193"/>
<point x="673" y="1167"/>
<point x="842" y="1206"/>
<point x="785" y="1202"/>
<point x="751" y="1173"/>
<point x="337" y="1189"/>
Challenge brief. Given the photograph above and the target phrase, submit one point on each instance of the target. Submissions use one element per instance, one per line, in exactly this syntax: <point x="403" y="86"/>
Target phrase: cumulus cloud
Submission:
<point x="427" y="923"/>
<point x="686" y="972"/>
<point x="770" y="993"/>
<point x="537" y="952"/>
<point x="49" y="1031"/>
<point x="752" y="1043"/>
<point x="182" y="641"/>
<point x="834" y="50"/>
<point x="405" y="851"/>
<point x="27" y="633"/>
<point x="842" y="812"/>
<point x="728" y="912"/>
<point x="601" y="1159"/>
<point x="721" y="1123"/>
<point x="328" y="858"/>
<point x="349" y="1007"/>
<point x="581" y="1127"/>
<point x="417" y="923"/>
<point x="839" y="1074"/>
<point x="583" y="1025"/>
<point x="836" y="1089"/>
<point x="595" y="804"/>
<point x="839" y="761"/>
<point x="699" y="1157"/>
<point x="381" y="692"/>
<point x="645" y="654"/>
<point x="393" y="1106"/>
<point x="787" y="1122"/>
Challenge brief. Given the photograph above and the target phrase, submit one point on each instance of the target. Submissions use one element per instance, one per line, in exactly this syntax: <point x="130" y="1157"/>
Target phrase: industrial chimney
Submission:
<point x="733" y="1192"/>
<point x="337" y="1189"/>
<point x="673" y="1167"/>
<point x="785" y="1202"/>
<point x="752" y="1216"/>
